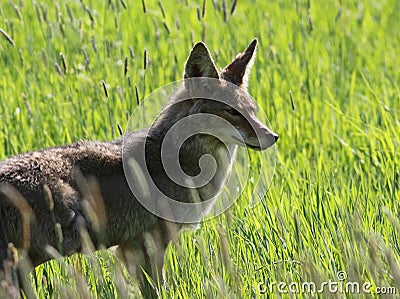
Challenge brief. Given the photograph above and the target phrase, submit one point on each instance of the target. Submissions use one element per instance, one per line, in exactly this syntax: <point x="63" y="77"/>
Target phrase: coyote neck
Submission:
<point x="195" y="149"/>
<point x="207" y="146"/>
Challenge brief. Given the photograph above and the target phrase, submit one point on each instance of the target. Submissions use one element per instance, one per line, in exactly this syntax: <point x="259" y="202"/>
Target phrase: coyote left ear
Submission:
<point x="200" y="63"/>
<point x="237" y="72"/>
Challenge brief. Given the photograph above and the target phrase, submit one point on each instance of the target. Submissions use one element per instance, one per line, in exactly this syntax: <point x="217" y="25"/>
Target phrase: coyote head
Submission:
<point x="233" y="103"/>
<point x="191" y="145"/>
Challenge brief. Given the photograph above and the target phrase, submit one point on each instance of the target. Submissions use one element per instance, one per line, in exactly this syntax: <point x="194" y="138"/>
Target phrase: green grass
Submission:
<point x="334" y="201"/>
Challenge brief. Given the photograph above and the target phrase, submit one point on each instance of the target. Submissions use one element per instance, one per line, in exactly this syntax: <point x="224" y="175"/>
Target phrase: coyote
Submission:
<point x="52" y="198"/>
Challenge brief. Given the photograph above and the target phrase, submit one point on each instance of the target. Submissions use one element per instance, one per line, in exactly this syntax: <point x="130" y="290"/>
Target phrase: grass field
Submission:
<point x="332" y="211"/>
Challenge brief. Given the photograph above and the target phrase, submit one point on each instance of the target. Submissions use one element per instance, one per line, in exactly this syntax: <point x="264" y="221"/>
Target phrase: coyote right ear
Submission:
<point x="237" y="72"/>
<point x="200" y="63"/>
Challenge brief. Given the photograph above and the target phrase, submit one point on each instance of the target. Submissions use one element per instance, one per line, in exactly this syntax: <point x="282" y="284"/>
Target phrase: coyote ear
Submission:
<point x="238" y="70"/>
<point x="200" y="63"/>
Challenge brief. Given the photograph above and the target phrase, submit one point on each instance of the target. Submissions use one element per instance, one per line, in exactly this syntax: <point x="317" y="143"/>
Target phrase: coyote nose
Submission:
<point x="276" y="137"/>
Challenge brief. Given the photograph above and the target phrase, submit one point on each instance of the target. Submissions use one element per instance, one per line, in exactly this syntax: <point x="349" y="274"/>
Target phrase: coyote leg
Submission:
<point x="145" y="262"/>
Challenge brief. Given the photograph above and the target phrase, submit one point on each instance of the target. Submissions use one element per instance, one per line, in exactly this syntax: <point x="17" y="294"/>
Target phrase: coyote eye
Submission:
<point x="232" y="111"/>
